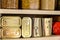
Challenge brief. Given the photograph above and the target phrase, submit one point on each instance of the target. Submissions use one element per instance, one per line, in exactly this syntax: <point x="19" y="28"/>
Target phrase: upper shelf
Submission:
<point x="43" y="12"/>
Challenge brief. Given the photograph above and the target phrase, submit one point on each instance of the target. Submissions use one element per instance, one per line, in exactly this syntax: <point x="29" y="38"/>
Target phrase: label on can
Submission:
<point x="25" y="4"/>
<point x="34" y="4"/>
<point x="26" y="27"/>
<point x="30" y="4"/>
<point x="11" y="21"/>
<point x="11" y="32"/>
<point x="47" y="26"/>
<point x="37" y="28"/>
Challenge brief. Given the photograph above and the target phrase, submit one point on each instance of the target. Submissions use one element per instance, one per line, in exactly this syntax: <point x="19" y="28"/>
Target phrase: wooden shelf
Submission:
<point x="41" y="12"/>
<point x="41" y="38"/>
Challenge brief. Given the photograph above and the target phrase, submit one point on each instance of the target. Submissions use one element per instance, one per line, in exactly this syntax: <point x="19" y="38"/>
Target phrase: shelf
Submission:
<point x="41" y="38"/>
<point x="41" y="12"/>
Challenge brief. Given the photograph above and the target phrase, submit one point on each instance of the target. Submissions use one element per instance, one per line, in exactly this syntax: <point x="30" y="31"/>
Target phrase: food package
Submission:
<point x="26" y="27"/>
<point x="30" y="4"/>
<point x="11" y="32"/>
<point x="11" y="21"/>
<point x="10" y="4"/>
<point x="47" y="4"/>
<point x="37" y="28"/>
<point x="47" y="26"/>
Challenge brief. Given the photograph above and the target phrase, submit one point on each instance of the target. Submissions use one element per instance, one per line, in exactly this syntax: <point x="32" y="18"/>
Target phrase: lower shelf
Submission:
<point x="41" y="38"/>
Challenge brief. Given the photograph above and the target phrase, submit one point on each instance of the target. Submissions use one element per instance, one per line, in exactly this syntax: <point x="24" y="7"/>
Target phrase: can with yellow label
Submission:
<point x="26" y="27"/>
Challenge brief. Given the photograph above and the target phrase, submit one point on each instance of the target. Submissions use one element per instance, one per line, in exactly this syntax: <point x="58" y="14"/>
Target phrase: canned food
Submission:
<point x="57" y="4"/>
<point x="26" y="27"/>
<point x="0" y="3"/>
<point x="11" y="32"/>
<point x="10" y="4"/>
<point x="47" y="26"/>
<point x="11" y="21"/>
<point x="0" y="21"/>
<point x="37" y="28"/>
<point x="30" y="4"/>
<point x="1" y="33"/>
<point x="47" y="4"/>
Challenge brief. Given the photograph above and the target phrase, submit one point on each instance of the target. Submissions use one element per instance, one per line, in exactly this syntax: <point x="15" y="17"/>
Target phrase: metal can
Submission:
<point x="26" y="27"/>
<point x="11" y="21"/>
<point x="47" y="26"/>
<point x="0" y="3"/>
<point x="10" y="4"/>
<point x="47" y="4"/>
<point x="0" y="22"/>
<point x="1" y="33"/>
<point x="37" y="28"/>
<point x="30" y="4"/>
<point x="11" y="32"/>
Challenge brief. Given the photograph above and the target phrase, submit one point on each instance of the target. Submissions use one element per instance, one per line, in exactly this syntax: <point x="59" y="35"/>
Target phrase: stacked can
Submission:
<point x="1" y="31"/>
<point x="11" y="26"/>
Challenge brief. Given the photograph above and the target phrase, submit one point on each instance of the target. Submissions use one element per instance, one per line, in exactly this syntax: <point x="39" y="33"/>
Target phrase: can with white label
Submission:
<point x="47" y="26"/>
<point x="26" y="27"/>
<point x="11" y="32"/>
<point x="37" y="28"/>
<point x="11" y="21"/>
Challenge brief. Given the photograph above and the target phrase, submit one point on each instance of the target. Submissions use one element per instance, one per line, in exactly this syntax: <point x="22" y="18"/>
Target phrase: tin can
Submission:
<point x="57" y="4"/>
<point x="48" y="4"/>
<point x="11" y="32"/>
<point x="11" y="21"/>
<point x="47" y="26"/>
<point x="37" y="28"/>
<point x="26" y="27"/>
<point x="30" y="4"/>
<point x="10" y="4"/>
<point x="1" y="33"/>
<point x="0" y="22"/>
<point x="0" y="3"/>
